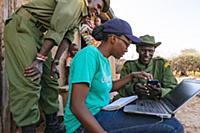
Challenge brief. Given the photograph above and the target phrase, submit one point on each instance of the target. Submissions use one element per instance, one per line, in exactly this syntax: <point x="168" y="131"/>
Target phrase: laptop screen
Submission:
<point x="182" y="93"/>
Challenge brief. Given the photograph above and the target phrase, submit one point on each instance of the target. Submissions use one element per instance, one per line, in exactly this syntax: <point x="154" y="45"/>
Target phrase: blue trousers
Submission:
<point x="120" y="122"/>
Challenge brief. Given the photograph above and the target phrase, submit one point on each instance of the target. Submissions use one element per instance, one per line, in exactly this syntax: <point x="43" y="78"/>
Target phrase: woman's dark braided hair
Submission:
<point x="100" y="35"/>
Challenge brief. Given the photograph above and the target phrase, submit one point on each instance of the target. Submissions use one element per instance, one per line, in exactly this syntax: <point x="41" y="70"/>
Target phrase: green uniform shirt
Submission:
<point x="60" y="17"/>
<point x="158" y="67"/>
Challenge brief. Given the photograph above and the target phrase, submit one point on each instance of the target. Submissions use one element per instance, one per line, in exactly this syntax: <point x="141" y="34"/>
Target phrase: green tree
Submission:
<point x="187" y="61"/>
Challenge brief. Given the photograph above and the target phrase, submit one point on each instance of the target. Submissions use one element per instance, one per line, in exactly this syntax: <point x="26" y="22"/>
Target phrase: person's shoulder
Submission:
<point x="88" y="50"/>
<point x="160" y="59"/>
<point x="128" y="66"/>
<point x="89" y="53"/>
<point x="129" y="62"/>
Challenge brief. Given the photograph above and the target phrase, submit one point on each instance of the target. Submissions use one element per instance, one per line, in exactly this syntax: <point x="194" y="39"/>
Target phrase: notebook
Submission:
<point x="121" y="102"/>
<point x="167" y="106"/>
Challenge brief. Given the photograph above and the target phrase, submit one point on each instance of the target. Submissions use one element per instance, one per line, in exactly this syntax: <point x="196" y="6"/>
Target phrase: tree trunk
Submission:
<point x="5" y="114"/>
<point x="1" y="69"/>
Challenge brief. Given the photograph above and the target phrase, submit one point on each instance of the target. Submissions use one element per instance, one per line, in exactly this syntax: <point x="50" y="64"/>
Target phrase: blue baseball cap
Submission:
<point x="121" y="27"/>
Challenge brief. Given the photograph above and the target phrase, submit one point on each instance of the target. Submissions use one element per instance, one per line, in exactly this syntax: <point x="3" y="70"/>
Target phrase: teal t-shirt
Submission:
<point x="90" y="66"/>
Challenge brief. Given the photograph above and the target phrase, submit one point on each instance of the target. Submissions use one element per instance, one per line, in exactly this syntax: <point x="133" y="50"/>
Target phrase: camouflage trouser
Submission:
<point x="22" y="42"/>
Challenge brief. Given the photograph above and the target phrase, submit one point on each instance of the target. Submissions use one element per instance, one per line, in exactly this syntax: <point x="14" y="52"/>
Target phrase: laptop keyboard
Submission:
<point x="149" y="106"/>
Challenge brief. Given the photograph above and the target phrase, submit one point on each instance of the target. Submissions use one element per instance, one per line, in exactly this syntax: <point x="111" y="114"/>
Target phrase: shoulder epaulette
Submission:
<point x="159" y="58"/>
<point x="127" y="61"/>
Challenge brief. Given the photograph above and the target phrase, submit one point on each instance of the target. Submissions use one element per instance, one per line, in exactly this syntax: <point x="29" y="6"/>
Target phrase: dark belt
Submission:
<point x="24" y="13"/>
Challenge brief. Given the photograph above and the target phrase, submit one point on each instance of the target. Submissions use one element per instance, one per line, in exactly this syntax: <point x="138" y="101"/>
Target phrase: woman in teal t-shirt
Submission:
<point x="90" y="83"/>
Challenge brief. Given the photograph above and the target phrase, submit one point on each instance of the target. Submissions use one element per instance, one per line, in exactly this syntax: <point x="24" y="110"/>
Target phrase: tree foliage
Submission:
<point x="188" y="61"/>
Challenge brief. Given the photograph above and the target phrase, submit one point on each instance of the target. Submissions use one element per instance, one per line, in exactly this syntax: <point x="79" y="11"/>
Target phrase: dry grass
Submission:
<point x="189" y="115"/>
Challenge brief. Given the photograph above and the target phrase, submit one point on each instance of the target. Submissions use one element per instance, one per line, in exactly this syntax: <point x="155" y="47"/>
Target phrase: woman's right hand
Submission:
<point x="142" y="75"/>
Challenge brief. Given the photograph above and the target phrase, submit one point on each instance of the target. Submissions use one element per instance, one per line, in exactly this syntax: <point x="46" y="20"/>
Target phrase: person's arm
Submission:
<point x="35" y="69"/>
<point x="66" y="15"/>
<point x="121" y="82"/>
<point x="46" y="47"/>
<point x="128" y="88"/>
<point x="65" y="44"/>
<point x="65" y="18"/>
<point x="169" y="81"/>
<point x="80" y="110"/>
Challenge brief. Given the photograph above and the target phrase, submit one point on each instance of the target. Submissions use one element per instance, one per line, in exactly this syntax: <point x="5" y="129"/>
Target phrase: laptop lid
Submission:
<point x="184" y="92"/>
<point x="176" y="98"/>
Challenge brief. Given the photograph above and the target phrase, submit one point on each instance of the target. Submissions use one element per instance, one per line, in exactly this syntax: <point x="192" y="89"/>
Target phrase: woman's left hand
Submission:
<point x="142" y="75"/>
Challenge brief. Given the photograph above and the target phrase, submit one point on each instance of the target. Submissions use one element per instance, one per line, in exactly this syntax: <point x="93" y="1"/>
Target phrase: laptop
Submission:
<point x="167" y="106"/>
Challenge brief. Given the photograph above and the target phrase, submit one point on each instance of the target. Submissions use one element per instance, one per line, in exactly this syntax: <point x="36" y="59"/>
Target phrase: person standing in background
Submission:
<point x="30" y="33"/>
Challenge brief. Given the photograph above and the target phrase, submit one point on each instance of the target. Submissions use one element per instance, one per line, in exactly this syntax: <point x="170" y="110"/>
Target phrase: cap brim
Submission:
<point x="134" y="39"/>
<point x="157" y="44"/>
<point x="106" y="5"/>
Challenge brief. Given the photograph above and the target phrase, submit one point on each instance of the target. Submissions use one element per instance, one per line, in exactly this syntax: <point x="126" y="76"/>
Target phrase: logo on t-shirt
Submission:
<point x="106" y="76"/>
<point x="106" y="79"/>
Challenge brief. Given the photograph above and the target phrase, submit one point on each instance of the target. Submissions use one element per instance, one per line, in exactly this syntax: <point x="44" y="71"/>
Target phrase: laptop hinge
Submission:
<point x="166" y="107"/>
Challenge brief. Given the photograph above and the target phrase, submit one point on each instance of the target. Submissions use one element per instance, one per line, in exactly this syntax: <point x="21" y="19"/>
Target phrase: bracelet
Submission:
<point x="41" y="57"/>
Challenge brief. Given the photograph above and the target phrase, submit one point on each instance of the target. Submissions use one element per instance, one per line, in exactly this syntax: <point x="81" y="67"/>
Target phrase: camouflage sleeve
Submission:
<point x="65" y="17"/>
<point x="126" y="90"/>
<point x="169" y="81"/>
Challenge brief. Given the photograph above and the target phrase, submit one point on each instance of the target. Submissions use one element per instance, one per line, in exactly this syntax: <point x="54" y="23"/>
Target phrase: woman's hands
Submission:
<point x="142" y="75"/>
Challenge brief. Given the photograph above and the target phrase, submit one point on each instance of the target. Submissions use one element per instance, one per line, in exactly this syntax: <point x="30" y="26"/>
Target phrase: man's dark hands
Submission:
<point x="73" y="49"/>
<point x="54" y="70"/>
<point x="141" y="90"/>
<point x="34" y="70"/>
<point x="150" y="91"/>
<point x="155" y="91"/>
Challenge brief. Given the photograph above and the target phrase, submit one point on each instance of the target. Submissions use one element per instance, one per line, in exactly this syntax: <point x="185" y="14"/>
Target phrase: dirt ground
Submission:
<point x="189" y="115"/>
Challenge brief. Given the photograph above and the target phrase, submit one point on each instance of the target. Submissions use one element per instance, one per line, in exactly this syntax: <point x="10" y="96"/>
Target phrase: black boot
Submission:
<point x="29" y="129"/>
<point x="53" y="125"/>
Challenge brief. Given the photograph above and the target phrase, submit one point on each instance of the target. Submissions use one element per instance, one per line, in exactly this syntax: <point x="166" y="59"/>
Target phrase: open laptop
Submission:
<point x="167" y="106"/>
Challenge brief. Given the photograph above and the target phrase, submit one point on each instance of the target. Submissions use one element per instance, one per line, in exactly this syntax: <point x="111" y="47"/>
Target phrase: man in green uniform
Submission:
<point x="30" y="34"/>
<point x="158" y="67"/>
